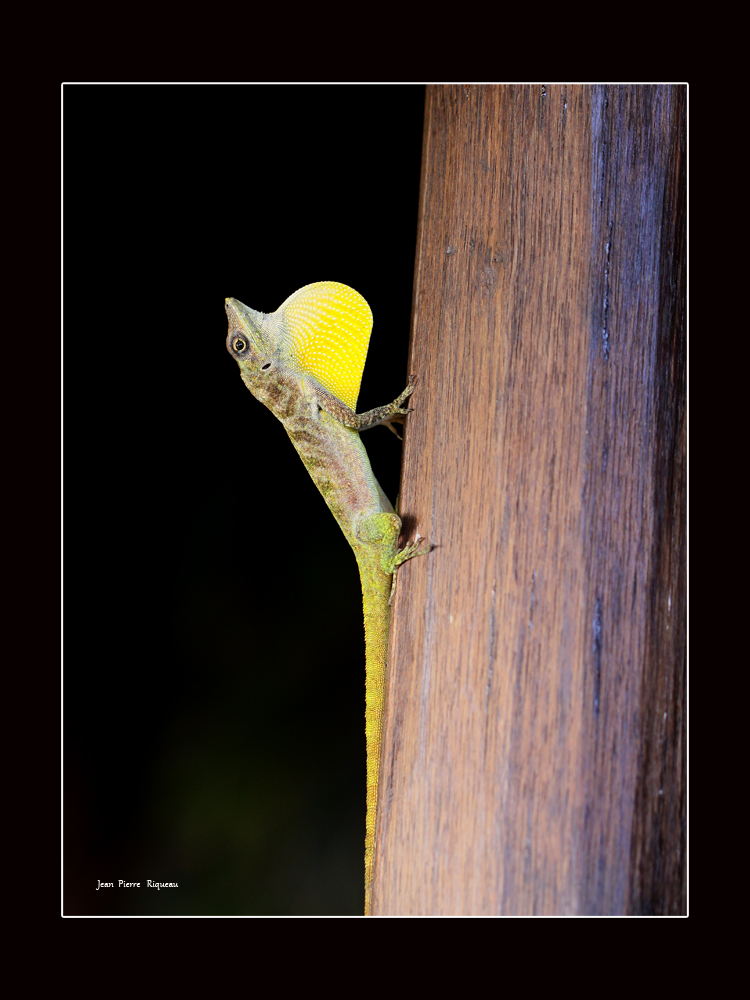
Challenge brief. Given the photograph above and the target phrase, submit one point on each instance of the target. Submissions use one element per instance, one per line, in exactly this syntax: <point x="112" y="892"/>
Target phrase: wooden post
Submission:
<point x="534" y="752"/>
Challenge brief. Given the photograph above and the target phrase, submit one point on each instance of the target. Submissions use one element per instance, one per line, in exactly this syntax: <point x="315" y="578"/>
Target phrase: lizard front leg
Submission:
<point x="386" y="415"/>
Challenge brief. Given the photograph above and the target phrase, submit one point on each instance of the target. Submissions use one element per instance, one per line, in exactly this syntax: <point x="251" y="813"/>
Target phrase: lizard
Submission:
<point x="305" y="362"/>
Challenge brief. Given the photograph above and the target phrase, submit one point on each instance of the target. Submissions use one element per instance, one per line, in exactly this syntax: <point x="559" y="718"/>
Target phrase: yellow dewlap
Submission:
<point x="326" y="330"/>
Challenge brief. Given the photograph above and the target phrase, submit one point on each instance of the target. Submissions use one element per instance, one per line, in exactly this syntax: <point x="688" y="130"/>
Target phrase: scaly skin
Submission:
<point x="325" y="433"/>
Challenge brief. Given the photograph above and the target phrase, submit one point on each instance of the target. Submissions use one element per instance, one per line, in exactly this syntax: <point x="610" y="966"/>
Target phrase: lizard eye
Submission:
<point x="239" y="345"/>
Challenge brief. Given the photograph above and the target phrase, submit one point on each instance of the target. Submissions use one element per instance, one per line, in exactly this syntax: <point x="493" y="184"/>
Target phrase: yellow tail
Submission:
<point x="376" y="589"/>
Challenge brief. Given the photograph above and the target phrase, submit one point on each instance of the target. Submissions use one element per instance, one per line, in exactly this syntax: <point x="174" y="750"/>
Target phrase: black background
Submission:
<point x="213" y="643"/>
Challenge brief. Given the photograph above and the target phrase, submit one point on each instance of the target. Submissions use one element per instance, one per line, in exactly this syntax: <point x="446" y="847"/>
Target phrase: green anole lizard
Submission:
<point x="305" y="363"/>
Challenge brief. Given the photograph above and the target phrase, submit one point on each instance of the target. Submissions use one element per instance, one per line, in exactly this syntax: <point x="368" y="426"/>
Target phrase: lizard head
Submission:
<point x="250" y="338"/>
<point x="320" y="333"/>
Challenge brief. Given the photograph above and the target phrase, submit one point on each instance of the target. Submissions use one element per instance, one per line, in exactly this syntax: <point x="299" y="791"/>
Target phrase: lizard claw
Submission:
<point x="388" y="422"/>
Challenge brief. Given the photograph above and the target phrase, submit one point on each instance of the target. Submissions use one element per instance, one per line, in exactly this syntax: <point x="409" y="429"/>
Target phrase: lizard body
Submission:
<point x="305" y="363"/>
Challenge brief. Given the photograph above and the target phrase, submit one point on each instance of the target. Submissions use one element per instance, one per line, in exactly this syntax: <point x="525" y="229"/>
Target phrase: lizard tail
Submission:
<point x="376" y="587"/>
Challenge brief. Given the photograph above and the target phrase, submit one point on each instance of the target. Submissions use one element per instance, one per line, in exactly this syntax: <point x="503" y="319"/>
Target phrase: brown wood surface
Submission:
<point x="534" y="752"/>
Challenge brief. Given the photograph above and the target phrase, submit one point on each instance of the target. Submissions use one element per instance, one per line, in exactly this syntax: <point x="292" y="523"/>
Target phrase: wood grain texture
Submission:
<point x="534" y="751"/>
